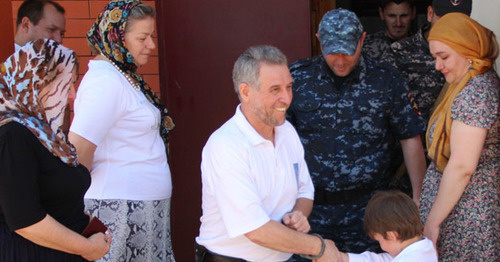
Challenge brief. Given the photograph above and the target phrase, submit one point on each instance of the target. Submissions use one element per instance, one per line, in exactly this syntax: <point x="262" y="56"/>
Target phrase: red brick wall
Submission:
<point x="80" y="14"/>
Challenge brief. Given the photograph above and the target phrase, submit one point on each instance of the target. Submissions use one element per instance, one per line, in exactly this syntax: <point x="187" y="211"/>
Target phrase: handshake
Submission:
<point x="297" y="221"/>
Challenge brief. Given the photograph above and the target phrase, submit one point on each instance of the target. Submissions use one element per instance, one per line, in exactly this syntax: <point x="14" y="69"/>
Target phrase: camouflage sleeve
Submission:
<point x="299" y="73"/>
<point x="405" y="122"/>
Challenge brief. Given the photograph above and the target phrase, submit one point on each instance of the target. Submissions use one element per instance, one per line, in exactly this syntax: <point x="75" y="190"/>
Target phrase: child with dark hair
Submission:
<point x="392" y="218"/>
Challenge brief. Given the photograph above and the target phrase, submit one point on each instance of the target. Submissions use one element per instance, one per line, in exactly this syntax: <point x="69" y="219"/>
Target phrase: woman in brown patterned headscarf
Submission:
<point x="120" y="131"/>
<point x="460" y="200"/>
<point x="41" y="182"/>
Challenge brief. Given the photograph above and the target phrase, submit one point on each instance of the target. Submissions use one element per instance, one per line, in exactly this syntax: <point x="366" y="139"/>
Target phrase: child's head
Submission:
<point x="393" y="216"/>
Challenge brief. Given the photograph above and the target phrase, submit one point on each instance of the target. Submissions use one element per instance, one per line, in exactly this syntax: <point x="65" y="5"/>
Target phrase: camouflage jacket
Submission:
<point x="376" y="45"/>
<point x="346" y="130"/>
<point x="412" y="58"/>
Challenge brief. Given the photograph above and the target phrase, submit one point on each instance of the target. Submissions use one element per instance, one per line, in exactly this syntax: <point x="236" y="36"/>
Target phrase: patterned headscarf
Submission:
<point x="107" y="35"/>
<point x="34" y="86"/>
<point x="472" y="41"/>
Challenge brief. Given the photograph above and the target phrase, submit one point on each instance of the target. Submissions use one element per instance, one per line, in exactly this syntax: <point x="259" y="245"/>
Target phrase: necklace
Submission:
<point x="129" y="79"/>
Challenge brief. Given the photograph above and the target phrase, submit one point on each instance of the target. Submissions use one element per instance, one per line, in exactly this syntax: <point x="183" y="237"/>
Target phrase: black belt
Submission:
<point x="202" y="254"/>
<point x="324" y="197"/>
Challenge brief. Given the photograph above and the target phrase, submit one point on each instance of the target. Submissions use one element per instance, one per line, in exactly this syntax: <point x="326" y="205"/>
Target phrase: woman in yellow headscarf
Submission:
<point x="460" y="200"/>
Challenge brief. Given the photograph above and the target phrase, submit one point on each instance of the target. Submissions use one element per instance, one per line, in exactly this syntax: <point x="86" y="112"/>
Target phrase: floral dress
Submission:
<point x="471" y="232"/>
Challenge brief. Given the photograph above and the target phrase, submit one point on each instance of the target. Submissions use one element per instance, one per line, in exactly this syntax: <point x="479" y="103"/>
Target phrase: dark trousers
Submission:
<point x="202" y="254"/>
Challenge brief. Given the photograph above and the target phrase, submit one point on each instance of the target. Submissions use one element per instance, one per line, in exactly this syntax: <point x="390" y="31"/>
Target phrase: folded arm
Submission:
<point x="50" y="233"/>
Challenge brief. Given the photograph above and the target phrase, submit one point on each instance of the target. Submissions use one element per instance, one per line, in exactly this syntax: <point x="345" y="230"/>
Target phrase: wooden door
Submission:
<point x="6" y="31"/>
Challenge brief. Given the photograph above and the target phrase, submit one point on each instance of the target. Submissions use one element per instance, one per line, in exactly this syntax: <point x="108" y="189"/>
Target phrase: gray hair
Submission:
<point x="139" y="12"/>
<point x="246" y="67"/>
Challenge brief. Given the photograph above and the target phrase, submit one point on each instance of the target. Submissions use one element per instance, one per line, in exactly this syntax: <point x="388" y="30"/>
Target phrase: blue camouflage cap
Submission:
<point x="339" y="32"/>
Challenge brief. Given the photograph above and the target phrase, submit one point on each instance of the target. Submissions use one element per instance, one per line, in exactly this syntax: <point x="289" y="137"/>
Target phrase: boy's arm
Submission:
<point x="367" y="256"/>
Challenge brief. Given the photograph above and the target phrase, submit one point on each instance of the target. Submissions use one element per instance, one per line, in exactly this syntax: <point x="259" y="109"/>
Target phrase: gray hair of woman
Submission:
<point x="139" y="12"/>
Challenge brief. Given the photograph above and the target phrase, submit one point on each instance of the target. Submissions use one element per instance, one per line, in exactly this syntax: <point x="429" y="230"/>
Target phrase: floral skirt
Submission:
<point x="140" y="230"/>
<point x="471" y="232"/>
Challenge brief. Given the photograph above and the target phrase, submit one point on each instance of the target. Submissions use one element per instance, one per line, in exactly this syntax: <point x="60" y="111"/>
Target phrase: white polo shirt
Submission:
<point x="422" y="250"/>
<point x="248" y="181"/>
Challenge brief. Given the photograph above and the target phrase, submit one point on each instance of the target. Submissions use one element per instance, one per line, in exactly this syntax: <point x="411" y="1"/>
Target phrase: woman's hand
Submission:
<point x="98" y="247"/>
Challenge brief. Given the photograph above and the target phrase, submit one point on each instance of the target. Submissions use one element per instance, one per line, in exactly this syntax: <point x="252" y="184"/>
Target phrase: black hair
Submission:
<point x="33" y="9"/>
<point x="384" y="3"/>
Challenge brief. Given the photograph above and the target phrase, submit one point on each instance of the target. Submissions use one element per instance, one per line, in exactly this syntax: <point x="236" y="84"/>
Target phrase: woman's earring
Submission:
<point x="470" y="65"/>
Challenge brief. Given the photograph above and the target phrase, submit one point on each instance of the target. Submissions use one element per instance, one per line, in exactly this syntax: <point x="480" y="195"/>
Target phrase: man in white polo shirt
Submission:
<point x="257" y="192"/>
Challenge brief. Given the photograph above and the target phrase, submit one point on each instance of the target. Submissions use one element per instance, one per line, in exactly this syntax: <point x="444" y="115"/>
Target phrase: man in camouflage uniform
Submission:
<point x="397" y="16"/>
<point x="412" y="58"/>
<point x="345" y="108"/>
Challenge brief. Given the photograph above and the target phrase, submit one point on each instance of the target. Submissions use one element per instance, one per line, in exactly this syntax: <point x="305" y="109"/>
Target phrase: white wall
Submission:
<point x="487" y="13"/>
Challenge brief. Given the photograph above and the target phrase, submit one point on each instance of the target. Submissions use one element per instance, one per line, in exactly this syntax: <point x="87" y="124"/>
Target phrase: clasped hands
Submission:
<point x="332" y="254"/>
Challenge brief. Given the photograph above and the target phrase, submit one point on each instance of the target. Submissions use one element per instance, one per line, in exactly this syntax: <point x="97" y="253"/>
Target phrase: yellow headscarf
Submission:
<point x="473" y="41"/>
